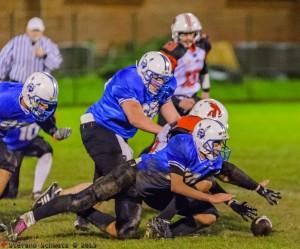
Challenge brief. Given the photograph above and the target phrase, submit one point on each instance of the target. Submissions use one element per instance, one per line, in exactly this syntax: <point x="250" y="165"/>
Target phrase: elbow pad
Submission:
<point x="237" y="176"/>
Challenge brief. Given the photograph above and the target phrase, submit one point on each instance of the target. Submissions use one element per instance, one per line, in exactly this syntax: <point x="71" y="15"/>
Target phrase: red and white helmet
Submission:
<point x="186" y="23"/>
<point x="210" y="108"/>
<point x="206" y="133"/>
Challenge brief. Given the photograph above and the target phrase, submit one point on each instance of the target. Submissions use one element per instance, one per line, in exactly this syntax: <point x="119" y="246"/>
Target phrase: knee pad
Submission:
<point x="122" y="177"/>
<point x="8" y="161"/>
<point x="43" y="147"/>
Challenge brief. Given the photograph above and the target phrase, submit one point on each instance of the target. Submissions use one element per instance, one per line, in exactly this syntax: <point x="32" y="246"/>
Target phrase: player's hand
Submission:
<point x="187" y="104"/>
<point x="243" y="209"/>
<point x="271" y="196"/>
<point x="219" y="198"/>
<point x="62" y="133"/>
<point x="39" y="52"/>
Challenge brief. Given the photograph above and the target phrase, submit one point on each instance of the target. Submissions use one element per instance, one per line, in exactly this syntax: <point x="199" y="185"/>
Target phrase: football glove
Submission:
<point x="243" y="209"/>
<point x="271" y="196"/>
<point x="62" y="133"/>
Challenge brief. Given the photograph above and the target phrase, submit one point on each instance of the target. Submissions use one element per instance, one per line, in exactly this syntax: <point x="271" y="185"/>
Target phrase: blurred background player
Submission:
<point x="28" y="53"/>
<point x="35" y="101"/>
<point x="187" y="52"/>
<point x="132" y="97"/>
<point x="25" y="141"/>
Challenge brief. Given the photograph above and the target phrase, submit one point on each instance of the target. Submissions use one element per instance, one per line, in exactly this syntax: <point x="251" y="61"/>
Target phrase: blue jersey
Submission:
<point x="180" y="156"/>
<point x="11" y="113"/>
<point x="126" y="84"/>
<point x="19" y="138"/>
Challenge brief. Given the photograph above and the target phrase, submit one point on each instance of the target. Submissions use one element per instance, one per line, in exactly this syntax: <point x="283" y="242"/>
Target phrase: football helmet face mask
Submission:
<point x="39" y="93"/>
<point x="210" y="139"/>
<point x="155" y="70"/>
<point x="211" y="108"/>
<point x="186" y="23"/>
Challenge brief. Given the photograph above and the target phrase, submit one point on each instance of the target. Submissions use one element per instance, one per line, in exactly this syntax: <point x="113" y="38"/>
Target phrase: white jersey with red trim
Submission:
<point x="187" y="71"/>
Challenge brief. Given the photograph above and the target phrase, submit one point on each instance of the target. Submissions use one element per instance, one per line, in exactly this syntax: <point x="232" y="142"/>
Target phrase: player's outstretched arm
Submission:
<point x="178" y="186"/>
<point x="241" y="208"/>
<point x="232" y="174"/>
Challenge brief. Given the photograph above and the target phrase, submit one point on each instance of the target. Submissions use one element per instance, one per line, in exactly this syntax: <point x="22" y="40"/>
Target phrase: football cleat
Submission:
<point x="158" y="228"/>
<point x="16" y="228"/>
<point x="81" y="224"/>
<point x="50" y="193"/>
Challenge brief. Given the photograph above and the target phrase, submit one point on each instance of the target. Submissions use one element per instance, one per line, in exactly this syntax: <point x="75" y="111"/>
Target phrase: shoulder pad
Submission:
<point x="174" y="49"/>
<point x="204" y="43"/>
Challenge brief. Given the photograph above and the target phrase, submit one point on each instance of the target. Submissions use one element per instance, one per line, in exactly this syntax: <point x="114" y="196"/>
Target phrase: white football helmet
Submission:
<point x="155" y="69"/>
<point x="208" y="132"/>
<point x="39" y="93"/>
<point x="211" y="108"/>
<point x="186" y="23"/>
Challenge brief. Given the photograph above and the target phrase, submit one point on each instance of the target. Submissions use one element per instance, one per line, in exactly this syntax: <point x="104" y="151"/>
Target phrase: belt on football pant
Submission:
<point x="87" y="120"/>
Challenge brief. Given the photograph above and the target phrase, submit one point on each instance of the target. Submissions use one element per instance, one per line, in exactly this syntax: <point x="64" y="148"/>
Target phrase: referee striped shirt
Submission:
<point x="18" y="59"/>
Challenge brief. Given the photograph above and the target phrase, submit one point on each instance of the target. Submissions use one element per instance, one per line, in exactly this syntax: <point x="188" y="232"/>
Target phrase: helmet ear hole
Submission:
<point x="39" y="94"/>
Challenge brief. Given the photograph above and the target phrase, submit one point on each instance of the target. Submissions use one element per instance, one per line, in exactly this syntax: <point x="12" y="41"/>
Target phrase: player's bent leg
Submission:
<point x="76" y="189"/>
<point x="113" y="183"/>
<point x="198" y="215"/>
<point x="190" y="225"/>
<point x="4" y="178"/>
<point x="205" y="219"/>
<point x="8" y="164"/>
<point x="204" y="185"/>
<point x="128" y="215"/>
<point x="105" y="222"/>
<point x="103" y="189"/>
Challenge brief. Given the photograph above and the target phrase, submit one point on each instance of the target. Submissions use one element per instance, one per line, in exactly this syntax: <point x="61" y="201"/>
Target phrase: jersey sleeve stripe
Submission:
<point x="176" y="164"/>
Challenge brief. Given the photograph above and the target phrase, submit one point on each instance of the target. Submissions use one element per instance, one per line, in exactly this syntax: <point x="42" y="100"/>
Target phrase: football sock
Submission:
<point x="42" y="170"/>
<point x="58" y="205"/>
<point x="170" y="211"/>
<point x="185" y="226"/>
<point x="97" y="218"/>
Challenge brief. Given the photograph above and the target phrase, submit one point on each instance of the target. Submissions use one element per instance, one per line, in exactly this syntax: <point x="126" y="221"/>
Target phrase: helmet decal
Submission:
<point x="215" y="110"/>
<point x="39" y="93"/>
<point x="30" y="87"/>
<point x="188" y="20"/>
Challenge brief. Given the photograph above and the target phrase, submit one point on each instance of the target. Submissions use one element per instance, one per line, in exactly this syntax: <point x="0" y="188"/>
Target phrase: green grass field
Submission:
<point x="264" y="139"/>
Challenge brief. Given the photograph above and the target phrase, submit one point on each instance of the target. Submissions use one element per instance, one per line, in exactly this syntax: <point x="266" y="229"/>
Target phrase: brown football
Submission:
<point x="261" y="226"/>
